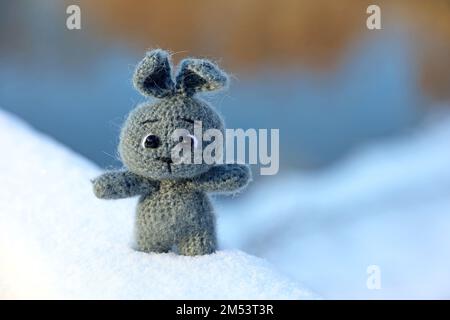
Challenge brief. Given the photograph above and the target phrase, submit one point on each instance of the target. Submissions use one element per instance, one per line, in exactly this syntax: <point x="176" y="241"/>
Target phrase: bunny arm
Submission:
<point x="223" y="178"/>
<point x="122" y="184"/>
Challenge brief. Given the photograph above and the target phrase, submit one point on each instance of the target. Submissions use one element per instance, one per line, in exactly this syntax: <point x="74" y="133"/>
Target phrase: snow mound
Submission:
<point x="58" y="241"/>
<point x="387" y="205"/>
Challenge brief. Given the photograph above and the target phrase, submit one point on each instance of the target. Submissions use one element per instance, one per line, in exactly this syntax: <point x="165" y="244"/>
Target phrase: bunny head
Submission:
<point x="146" y="138"/>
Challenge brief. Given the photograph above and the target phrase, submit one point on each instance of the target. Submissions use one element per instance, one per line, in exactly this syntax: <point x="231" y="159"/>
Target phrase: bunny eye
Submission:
<point x="151" y="141"/>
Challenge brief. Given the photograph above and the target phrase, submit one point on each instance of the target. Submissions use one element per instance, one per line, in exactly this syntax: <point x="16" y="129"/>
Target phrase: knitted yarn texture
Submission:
<point x="174" y="212"/>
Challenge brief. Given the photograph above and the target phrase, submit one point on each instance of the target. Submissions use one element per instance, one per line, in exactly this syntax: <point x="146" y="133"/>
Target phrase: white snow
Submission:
<point x="58" y="241"/>
<point x="387" y="205"/>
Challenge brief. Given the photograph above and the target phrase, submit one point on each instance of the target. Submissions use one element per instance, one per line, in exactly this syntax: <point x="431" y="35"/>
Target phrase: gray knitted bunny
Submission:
<point x="174" y="210"/>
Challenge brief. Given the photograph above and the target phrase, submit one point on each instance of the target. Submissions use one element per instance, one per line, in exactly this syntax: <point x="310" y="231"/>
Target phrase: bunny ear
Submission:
<point x="198" y="75"/>
<point x="152" y="76"/>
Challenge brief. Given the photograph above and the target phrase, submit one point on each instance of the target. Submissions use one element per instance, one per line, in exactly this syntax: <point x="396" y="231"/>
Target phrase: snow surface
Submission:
<point x="58" y="241"/>
<point x="387" y="205"/>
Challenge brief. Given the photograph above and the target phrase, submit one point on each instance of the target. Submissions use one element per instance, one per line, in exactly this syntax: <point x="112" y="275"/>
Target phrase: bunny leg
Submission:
<point x="151" y="245"/>
<point x="199" y="243"/>
<point x="151" y="241"/>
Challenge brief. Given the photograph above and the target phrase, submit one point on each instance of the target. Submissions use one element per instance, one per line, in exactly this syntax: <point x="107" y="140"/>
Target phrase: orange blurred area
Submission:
<point x="247" y="33"/>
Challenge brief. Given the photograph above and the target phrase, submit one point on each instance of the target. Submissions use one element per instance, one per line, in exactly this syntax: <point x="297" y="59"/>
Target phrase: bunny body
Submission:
<point x="174" y="209"/>
<point x="177" y="214"/>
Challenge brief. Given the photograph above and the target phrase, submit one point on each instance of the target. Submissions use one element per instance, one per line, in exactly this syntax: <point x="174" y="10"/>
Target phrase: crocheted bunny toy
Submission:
<point x="174" y="211"/>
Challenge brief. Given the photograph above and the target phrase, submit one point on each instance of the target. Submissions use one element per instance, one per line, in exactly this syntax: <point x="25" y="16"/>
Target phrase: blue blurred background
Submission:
<point x="329" y="84"/>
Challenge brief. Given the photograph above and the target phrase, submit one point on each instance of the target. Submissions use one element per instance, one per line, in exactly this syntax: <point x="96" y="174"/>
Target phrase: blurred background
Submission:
<point x="336" y="90"/>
